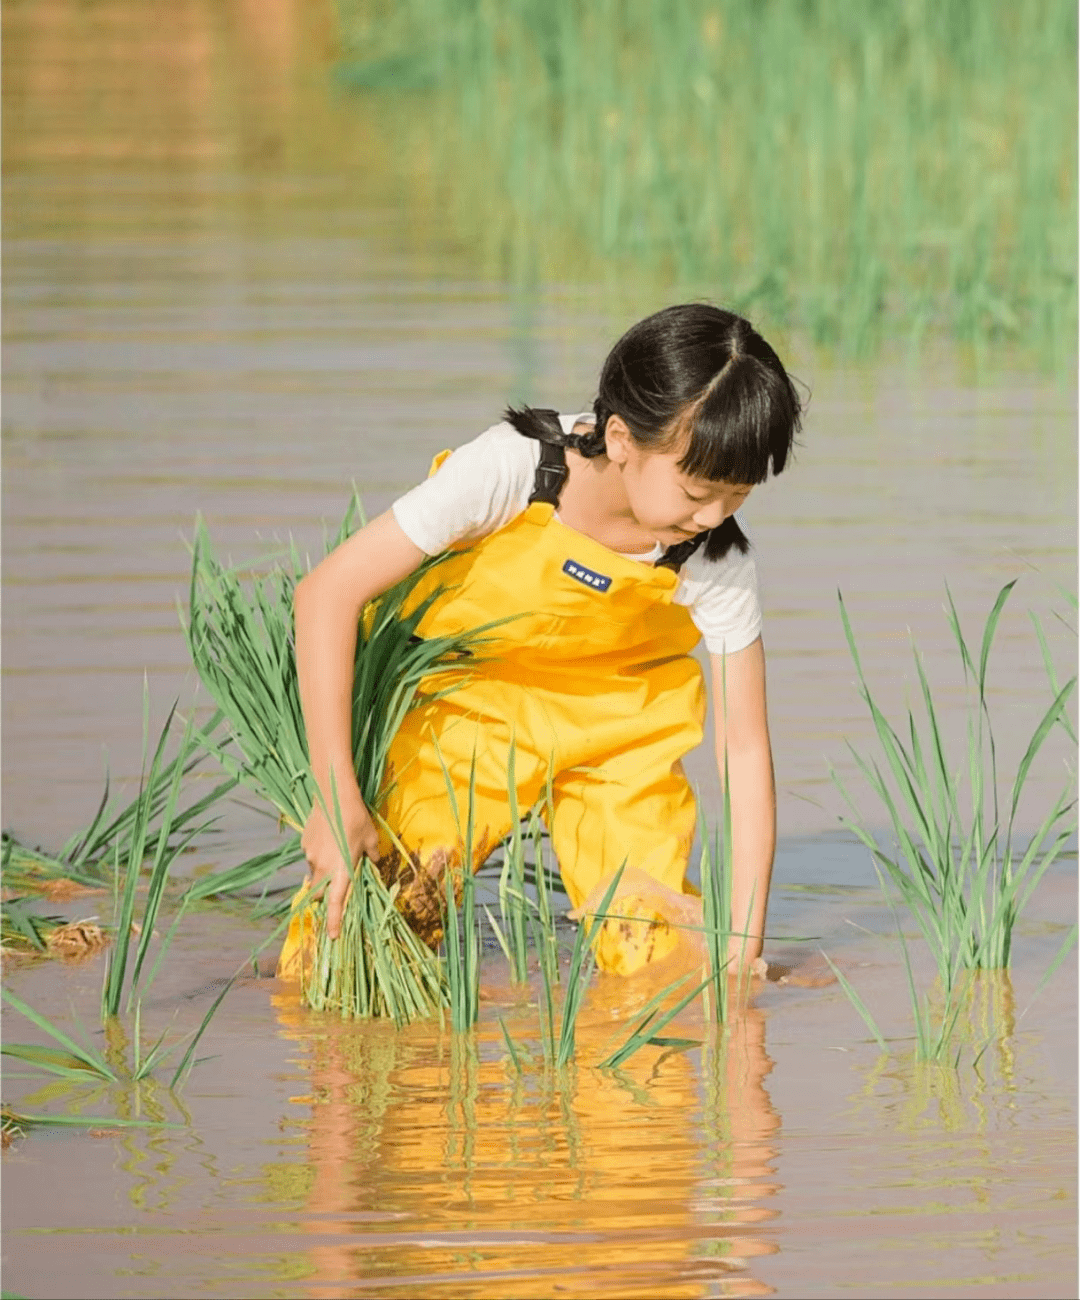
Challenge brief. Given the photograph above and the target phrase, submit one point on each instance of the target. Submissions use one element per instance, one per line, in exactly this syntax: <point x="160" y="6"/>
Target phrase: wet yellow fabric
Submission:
<point x="591" y="682"/>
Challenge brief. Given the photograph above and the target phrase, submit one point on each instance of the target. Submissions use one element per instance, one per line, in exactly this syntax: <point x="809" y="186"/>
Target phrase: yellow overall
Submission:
<point x="592" y="682"/>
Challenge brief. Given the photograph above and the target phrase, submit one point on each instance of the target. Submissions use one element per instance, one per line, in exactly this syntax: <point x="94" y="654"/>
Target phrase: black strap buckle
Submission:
<point x="551" y="474"/>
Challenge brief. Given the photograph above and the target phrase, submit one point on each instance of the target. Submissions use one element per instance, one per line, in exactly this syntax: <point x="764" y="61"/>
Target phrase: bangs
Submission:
<point x="743" y="426"/>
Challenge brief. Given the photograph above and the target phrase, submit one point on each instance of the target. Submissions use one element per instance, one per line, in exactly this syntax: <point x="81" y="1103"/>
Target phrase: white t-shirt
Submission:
<point x="487" y="482"/>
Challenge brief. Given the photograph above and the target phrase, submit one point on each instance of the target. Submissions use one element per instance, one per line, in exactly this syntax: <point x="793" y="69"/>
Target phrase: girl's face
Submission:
<point x="667" y="503"/>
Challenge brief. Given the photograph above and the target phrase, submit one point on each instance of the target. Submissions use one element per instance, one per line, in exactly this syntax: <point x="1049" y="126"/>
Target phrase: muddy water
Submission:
<point x="218" y="299"/>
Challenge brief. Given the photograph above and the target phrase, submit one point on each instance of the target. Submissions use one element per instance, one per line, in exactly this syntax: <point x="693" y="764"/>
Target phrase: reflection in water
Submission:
<point x="922" y="1096"/>
<point x="434" y="1164"/>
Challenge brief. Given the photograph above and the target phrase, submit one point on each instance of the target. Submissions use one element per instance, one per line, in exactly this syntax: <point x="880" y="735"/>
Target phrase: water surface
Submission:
<point x="216" y="302"/>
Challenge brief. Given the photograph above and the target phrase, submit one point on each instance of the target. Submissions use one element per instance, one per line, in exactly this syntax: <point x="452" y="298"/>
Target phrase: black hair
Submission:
<point x="698" y="374"/>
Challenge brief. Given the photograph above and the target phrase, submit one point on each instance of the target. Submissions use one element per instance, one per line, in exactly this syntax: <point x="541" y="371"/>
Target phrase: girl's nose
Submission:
<point x="712" y="515"/>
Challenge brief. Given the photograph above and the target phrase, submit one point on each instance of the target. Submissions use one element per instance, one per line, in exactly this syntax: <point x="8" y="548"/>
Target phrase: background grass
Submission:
<point x="859" y="171"/>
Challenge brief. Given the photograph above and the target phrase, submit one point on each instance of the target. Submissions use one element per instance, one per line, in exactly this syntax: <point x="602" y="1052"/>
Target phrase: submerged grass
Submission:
<point x="858" y="171"/>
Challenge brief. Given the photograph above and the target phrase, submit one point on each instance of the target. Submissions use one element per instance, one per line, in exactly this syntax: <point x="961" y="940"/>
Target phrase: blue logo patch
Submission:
<point x="597" y="581"/>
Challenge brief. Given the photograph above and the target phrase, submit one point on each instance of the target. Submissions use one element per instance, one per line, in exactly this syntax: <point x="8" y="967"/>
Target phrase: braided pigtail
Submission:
<point x="539" y="423"/>
<point x="716" y="541"/>
<point x="545" y="426"/>
<point x="591" y="445"/>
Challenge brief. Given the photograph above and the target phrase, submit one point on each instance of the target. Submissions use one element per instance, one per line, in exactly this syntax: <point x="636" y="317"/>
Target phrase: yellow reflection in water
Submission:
<point x="435" y="1165"/>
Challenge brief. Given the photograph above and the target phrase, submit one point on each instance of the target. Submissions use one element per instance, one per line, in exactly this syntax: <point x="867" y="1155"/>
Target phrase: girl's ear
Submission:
<point x="619" y="440"/>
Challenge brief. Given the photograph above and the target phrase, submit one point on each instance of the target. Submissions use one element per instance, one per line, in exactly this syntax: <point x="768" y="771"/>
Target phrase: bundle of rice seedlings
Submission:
<point x="240" y="634"/>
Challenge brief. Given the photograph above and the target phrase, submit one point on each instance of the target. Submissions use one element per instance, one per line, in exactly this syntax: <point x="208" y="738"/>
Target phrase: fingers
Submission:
<point x="330" y="873"/>
<point x="368" y="842"/>
<point x="335" y="903"/>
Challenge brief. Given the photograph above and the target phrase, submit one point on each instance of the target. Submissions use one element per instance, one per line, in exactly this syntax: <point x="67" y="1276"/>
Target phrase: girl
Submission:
<point x="612" y="541"/>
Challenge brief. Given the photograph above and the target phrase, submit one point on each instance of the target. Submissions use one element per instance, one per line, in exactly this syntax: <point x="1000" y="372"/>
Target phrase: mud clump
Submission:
<point x="76" y="940"/>
<point x="421" y="886"/>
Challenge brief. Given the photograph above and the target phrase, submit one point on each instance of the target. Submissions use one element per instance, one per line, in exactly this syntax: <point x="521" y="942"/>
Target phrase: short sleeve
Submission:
<point x="723" y="600"/>
<point x="480" y="487"/>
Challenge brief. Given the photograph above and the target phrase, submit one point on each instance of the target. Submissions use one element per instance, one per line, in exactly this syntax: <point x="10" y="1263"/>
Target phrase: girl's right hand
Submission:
<point x="319" y="842"/>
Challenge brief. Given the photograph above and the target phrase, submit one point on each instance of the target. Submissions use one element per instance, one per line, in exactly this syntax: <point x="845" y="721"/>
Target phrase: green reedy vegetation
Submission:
<point x="240" y="635"/>
<point x="461" y="940"/>
<point x="241" y="641"/>
<point x="867" y="171"/>
<point x="957" y="866"/>
<point x="151" y="832"/>
<point x="87" y="857"/>
<point x="646" y="1031"/>
<point x="162" y="850"/>
<point x="513" y="903"/>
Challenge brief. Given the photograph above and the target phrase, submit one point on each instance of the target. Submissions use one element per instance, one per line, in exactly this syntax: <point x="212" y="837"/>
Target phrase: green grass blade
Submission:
<point x="1059" y="957"/>
<point x="514" y="1055"/>
<point x="91" y="1060"/>
<point x="856" y="1001"/>
<point x="1041" y="732"/>
<point x="642" y="1035"/>
<point x="186" y="1058"/>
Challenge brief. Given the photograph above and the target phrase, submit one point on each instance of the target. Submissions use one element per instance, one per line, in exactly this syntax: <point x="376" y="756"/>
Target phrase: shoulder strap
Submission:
<point x="551" y="474"/>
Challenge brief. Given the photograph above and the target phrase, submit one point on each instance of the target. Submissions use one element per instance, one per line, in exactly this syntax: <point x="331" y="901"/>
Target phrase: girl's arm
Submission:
<point x="738" y="682"/>
<point x="327" y="606"/>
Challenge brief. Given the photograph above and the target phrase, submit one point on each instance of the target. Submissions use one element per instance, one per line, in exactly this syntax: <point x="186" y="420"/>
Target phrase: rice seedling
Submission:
<point x="559" y="1047"/>
<point x="716" y="915"/>
<point x="86" y="856"/>
<point x="462" y="952"/>
<point x="22" y="929"/>
<point x="513" y="904"/>
<point x="823" y="166"/>
<point x="68" y="1061"/>
<point x="646" y="1032"/>
<point x="242" y="878"/>
<point x="28" y="868"/>
<point x="959" y="869"/>
<point x="240" y="637"/>
<point x="460" y="938"/>
<point x="78" y="1064"/>
<point x="544" y="932"/>
<point x="715" y="872"/>
<point x="377" y="967"/>
<point x="1051" y="675"/>
<point x="163" y="849"/>
<point x="15" y="1124"/>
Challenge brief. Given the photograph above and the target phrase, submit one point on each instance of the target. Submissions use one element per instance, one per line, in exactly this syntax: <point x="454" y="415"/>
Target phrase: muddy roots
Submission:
<point x="422" y="886"/>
